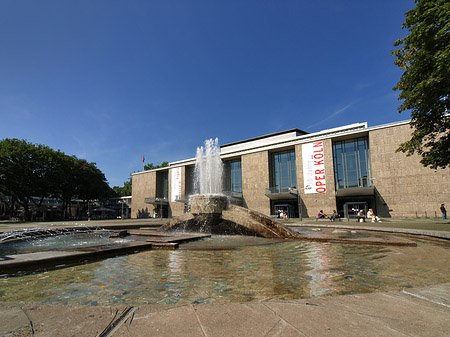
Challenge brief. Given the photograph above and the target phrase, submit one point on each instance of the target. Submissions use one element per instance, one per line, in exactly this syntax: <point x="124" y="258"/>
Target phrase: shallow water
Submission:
<point x="58" y="242"/>
<point x="254" y="269"/>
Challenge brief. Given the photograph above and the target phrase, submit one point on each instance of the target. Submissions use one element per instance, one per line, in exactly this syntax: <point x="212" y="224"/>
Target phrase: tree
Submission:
<point x="24" y="172"/>
<point x="424" y="55"/>
<point x="125" y="190"/>
<point x="150" y="166"/>
<point x="29" y="173"/>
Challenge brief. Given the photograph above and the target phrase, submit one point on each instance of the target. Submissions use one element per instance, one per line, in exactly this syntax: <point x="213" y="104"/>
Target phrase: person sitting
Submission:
<point x="361" y="217"/>
<point x="334" y="215"/>
<point x="283" y="215"/>
<point x="372" y="215"/>
<point x="322" y="215"/>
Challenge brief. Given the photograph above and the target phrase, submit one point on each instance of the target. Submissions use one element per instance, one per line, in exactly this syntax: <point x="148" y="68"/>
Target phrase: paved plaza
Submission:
<point x="421" y="311"/>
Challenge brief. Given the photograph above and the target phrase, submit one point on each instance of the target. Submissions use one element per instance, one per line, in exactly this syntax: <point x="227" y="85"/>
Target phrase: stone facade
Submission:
<point x="255" y="180"/>
<point x="405" y="188"/>
<point x="144" y="186"/>
<point x="402" y="187"/>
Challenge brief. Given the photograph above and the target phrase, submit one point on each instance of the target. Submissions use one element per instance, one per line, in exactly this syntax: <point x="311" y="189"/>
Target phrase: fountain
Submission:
<point x="210" y="210"/>
<point x="217" y="268"/>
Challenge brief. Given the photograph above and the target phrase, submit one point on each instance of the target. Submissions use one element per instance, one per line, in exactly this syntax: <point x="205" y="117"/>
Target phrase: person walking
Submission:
<point x="444" y="212"/>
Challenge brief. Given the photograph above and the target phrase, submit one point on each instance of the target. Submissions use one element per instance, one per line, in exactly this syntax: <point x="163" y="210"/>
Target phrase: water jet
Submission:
<point x="211" y="211"/>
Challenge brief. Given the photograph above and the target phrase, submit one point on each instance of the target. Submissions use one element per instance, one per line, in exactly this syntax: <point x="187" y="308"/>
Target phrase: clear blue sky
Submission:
<point x="110" y="81"/>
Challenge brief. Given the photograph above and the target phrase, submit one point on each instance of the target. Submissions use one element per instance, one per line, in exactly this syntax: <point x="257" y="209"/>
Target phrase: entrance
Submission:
<point x="289" y="208"/>
<point x="351" y="209"/>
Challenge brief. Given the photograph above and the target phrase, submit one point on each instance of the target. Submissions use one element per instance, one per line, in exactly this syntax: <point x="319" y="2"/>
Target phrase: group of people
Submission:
<point x="370" y="214"/>
<point x="332" y="217"/>
<point x="361" y="217"/>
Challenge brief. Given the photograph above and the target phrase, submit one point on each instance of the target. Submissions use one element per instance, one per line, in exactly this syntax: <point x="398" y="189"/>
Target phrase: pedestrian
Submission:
<point x="444" y="212"/>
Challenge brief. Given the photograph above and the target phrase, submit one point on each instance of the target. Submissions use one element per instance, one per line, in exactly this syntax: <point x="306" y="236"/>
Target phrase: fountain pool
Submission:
<point x="226" y="269"/>
<point x="64" y="241"/>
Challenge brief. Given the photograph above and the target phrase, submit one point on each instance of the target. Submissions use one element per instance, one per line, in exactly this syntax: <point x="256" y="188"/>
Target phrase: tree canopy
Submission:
<point x="150" y="166"/>
<point x="29" y="171"/>
<point x="424" y="55"/>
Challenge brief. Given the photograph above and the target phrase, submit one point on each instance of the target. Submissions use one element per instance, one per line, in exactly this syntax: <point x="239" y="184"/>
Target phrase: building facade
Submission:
<point x="345" y="169"/>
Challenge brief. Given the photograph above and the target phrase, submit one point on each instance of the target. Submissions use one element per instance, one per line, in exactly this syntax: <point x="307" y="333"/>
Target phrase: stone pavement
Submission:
<point x="410" y="312"/>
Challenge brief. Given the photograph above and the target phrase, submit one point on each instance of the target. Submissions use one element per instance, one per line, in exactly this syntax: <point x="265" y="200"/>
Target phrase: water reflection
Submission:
<point x="270" y="271"/>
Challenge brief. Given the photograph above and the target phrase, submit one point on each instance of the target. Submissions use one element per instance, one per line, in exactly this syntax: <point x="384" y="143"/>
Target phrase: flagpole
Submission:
<point x="143" y="164"/>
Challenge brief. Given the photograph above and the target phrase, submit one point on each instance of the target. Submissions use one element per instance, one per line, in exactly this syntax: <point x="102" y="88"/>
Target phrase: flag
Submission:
<point x="143" y="159"/>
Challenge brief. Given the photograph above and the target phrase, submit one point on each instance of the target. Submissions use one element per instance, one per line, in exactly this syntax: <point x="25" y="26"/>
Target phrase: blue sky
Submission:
<point x="110" y="81"/>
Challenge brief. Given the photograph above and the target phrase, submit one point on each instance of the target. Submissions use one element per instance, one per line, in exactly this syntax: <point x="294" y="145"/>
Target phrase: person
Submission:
<point x="444" y="212"/>
<point x="283" y="215"/>
<point x="372" y="215"/>
<point x="361" y="217"/>
<point x="322" y="215"/>
<point x="334" y="215"/>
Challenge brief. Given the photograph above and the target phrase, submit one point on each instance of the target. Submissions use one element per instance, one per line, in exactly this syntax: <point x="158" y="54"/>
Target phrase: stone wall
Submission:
<point x="313" y="203"/>
<point x="404" y="186"/>
<point x="144" y="186"/>
<point x="255" y="180"/>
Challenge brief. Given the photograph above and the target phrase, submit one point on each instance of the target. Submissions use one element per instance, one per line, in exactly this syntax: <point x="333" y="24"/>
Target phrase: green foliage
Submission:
<point x="424" y="55"/>
<point x="28" y="170"/>
<point x="150" y="166"/>
<point x="125" y="190"/>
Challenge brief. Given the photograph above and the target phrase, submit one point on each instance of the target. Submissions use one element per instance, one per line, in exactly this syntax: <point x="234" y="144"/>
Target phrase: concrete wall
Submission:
<point x="255" y="180"/>
<point x="144" y="186"/>
<point x="313" y="203"/>
<point x="404" y="186"/>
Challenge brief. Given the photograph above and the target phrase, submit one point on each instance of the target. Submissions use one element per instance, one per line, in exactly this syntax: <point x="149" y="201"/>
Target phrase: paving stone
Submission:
<point x="13" y="320"/>
<point x="67" y="321"/>
<point x="175" y="321"/>
<point x="236" y="319"/>
<point x="328" y="321"/>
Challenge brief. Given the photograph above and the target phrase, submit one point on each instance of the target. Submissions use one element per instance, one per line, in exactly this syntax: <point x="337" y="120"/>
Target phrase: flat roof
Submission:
<point x="297" y="131"/>
<point x="284" y="138"/>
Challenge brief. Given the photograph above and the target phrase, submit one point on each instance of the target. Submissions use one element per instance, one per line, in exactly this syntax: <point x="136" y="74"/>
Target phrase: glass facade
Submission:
<point x="351" y="163"/>
<point x="162" y="184"/>
<point x="283" y="173"/>
<point x="189" y="181"/>
<point x="233" y="177"/>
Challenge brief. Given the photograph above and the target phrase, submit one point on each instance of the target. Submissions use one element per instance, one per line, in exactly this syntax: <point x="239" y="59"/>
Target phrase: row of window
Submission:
<point x="351" y="169"/>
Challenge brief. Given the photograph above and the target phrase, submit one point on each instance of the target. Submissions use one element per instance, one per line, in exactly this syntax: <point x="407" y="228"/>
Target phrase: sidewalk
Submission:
<point x="411" y="312"/>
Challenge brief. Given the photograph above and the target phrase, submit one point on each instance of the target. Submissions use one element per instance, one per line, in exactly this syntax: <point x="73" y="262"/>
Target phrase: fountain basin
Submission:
<point x="213" y="214"/>
<point x="208" y="204"/>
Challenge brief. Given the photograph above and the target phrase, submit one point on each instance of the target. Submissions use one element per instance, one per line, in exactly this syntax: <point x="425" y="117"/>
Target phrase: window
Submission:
<point x="189" y="180"/>
<point x="233" y="176"/>
<point x="162" y="184"/>
<point x="351" y="163"/>
<point x="283" y="171"/>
